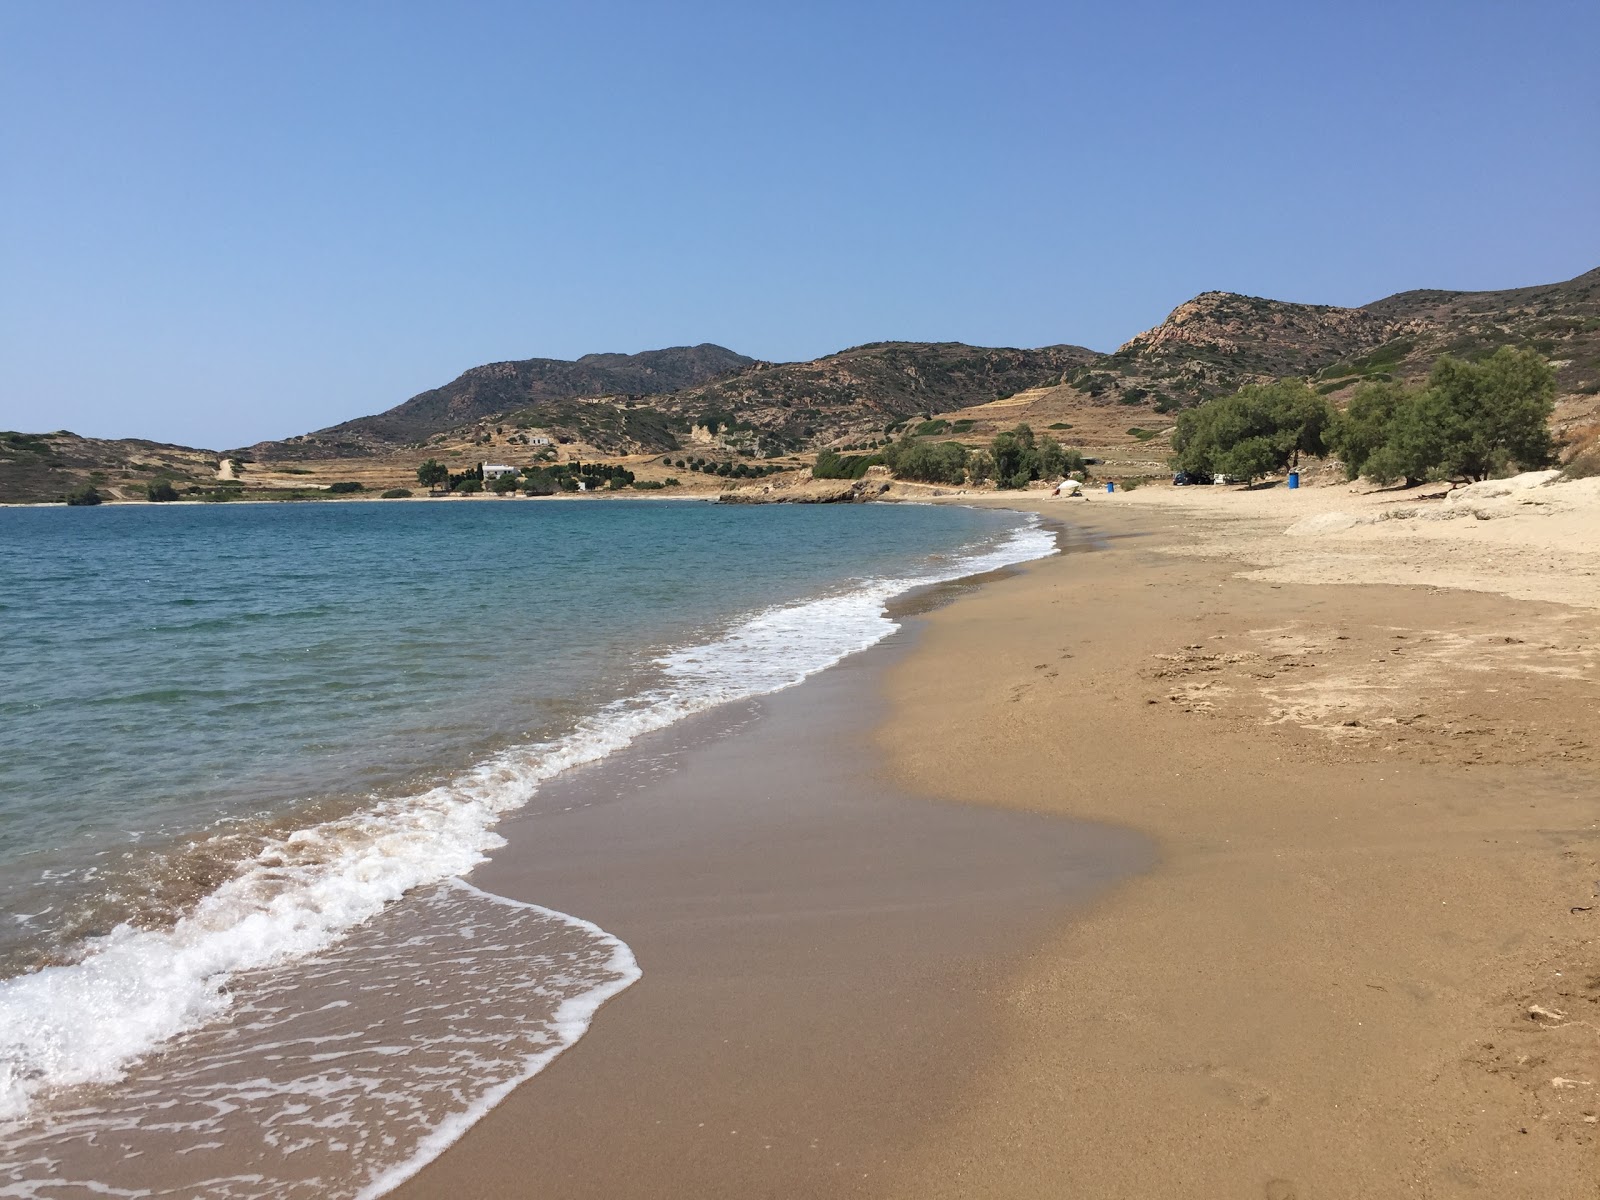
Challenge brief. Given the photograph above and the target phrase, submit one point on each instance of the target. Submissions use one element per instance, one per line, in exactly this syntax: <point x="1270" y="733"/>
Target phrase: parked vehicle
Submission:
<point x="1186" y="478"/>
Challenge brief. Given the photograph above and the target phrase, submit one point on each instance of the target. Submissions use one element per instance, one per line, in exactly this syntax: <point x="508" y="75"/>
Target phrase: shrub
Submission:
<point x="468" y="486"/>
<point x="84" y="497"/>
<point x="346" y="487"/>
<point x="160" y="491"/>
<point x="927" y="462"/>
<point x="648" y="485"/>
<point x="504" y="485"/>
<point x="396" y="494"/>
<point x="830" y="465"/>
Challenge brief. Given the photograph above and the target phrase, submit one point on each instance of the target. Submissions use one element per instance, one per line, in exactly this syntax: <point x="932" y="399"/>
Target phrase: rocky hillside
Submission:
<point x="708" y="400"/>
<point x="770" y="408"/>
<point x="501" y="387"/>
<point x="1207" y="347"/>
<point x="44" y="467"/>
<point x="1218" y="341"/>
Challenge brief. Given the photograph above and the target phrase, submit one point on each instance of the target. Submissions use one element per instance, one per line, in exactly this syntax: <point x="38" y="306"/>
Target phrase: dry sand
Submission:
<point x="1366" y="965"/>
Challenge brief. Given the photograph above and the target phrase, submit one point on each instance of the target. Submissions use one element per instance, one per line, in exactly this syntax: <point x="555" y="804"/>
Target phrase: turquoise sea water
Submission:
<point x="237" y="738"/>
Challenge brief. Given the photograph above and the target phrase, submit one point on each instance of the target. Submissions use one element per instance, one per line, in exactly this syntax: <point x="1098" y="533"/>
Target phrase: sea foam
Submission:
<point x="135" y="989"/>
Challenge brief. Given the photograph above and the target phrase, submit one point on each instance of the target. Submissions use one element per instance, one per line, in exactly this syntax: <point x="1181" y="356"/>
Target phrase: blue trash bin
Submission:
<point x="1294" y="479"/>
<point x="1111" y="485"/>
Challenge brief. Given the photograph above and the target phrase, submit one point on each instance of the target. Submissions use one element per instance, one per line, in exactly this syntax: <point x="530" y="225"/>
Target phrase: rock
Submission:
<point x="815" y="491"/>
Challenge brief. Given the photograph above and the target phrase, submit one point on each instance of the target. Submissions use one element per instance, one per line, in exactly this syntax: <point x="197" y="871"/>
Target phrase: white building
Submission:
<point x="493" y="471"/>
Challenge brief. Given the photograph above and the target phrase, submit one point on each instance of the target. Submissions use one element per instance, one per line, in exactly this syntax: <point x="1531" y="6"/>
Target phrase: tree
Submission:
<point x="1469" y="422"/>
<point x="84" y="497"/>
<point x="160" y="491"/>
<point x="1016" y="458"/>
<point x="1492" y="414"/>
<point x="1259" y="429"/>
<point x="1358" y="433"/>
<point x="504" y="485"/>
<point x="432" y="473"/>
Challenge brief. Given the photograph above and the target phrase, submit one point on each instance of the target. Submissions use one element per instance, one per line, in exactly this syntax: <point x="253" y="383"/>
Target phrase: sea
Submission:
<point x="251" y="753"/>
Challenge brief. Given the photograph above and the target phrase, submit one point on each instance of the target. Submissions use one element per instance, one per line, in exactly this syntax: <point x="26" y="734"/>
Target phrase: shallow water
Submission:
<point x="234" y="735"/>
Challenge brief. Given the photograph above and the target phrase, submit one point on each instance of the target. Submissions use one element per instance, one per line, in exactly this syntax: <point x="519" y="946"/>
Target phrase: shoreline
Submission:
<point x="807" y="934"/>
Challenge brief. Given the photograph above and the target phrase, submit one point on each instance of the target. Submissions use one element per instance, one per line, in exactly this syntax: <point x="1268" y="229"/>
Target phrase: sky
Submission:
<point x="221" y="223"/>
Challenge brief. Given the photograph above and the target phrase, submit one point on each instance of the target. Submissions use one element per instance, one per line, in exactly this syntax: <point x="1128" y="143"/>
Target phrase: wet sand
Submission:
<point x="820" y="954"/>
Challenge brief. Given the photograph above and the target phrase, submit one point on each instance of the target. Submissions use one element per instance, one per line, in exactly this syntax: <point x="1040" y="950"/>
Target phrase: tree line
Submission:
<point x="1469" y="421"/>
<point x="1013" y="459"/>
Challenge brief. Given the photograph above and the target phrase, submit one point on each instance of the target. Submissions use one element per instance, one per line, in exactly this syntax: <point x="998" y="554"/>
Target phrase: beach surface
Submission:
<point x="1364" y="962"/>
<point x="1366" y="965"/>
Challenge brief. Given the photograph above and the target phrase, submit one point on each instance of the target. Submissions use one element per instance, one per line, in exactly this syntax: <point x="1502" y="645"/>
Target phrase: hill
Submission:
<point x="773" y="408"/>
<point x="709" y="402"/>
<point x="498" y="387"/>
<point x="43" y="467"/>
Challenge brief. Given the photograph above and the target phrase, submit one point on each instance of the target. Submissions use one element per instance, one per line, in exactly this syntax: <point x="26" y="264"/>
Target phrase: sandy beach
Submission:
<point x="1361" y="964"/>
<point x="1366" y="964"/>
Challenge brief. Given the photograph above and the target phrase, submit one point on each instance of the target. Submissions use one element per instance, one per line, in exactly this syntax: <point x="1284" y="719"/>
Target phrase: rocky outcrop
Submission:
<point x="813" y="491"/>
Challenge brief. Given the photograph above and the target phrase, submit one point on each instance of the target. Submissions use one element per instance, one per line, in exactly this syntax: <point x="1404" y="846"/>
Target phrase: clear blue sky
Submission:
<point x="225" y="222"/>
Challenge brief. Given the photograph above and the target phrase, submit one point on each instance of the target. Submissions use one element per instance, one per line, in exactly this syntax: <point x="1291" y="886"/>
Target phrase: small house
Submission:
<point x="493" y="471"/>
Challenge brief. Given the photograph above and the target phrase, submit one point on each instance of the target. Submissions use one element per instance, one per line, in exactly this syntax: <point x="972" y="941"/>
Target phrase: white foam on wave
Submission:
<point x="134" y="989"/>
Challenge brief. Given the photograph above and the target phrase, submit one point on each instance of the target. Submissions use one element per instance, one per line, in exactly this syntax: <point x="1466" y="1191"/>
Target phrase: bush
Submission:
<point x="84" y="497"/>
<point x="468" y="487"/>
<point x="505" y="485"/>
<point x="927" y="462"/>
<point x="830" y="465"/>
<point x="648" y="485"/>
<point x="160" y="491"/>
<point x="396" y="494"/>
<point x="346" y="487"/>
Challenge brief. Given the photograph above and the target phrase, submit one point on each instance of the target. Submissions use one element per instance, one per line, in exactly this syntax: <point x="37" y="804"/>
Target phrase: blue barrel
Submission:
<point x="1111" y="485"/>
<point x="1294" y="479"/>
